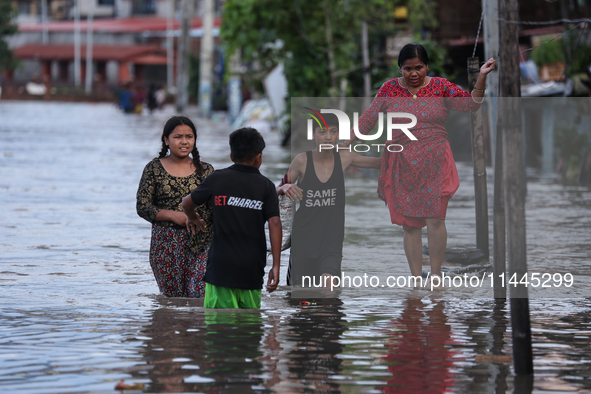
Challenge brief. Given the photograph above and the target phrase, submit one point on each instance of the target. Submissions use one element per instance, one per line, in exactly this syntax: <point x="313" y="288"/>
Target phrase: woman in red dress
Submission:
<point x="418" y="182"/>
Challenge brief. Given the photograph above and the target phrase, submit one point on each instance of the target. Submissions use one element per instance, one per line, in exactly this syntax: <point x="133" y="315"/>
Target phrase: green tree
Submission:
<point x="295" y="32"/>
<point x="7" y="28"/>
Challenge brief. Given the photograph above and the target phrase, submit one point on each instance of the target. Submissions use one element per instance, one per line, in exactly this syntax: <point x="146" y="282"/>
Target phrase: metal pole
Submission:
<point x="206" y="59"/>
<point x="44" y="21"/>
<point x="480" y="191"/>
<point x="182" y="79"/>
<point x="89" y="37"/>
<point x="169" y="48"/>
<point x="77" y="43"/>
<point x="234" y="91"/>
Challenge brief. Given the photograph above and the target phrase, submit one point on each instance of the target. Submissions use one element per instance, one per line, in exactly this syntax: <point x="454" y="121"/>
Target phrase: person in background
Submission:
<point x="527" y="67"/>
<point x="151" y="98"/>
<point x="177" y="257"/>
<point x="125" y="98"/>
<point x="160" y="96"/>
<point x="139" y="97"/>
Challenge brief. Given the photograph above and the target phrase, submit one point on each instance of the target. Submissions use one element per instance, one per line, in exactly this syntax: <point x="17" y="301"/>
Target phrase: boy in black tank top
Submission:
<point x="315" y="178"/>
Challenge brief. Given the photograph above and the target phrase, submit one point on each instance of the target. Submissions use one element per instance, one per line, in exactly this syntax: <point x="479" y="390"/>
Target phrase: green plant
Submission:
<point x="550" y="52"/>
<point x="579" y="46"/>
<point x="7" y="28"/>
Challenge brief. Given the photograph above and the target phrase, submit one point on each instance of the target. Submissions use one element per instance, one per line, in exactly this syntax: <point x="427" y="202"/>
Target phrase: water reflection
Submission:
<point x="79" y="308"/>
<point x="315" y="333"/>
<point x="418" y="356"/>
<point x="189" y="349"/>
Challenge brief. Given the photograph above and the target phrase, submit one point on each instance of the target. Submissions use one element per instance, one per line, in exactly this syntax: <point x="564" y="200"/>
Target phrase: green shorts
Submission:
<point x="225" y="297"/>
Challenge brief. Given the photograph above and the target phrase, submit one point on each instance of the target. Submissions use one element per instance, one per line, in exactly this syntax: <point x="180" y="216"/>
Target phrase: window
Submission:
<point x="144" y="6"/>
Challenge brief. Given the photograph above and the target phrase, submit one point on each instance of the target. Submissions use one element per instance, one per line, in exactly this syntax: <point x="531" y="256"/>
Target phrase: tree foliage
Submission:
<point x="268" y="32"/>
<point x="7" y="28"/>
<point x="295" y="32"/>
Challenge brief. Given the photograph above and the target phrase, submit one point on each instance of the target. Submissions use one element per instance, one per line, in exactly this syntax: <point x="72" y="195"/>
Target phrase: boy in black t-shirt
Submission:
<point x="242" y="200"/>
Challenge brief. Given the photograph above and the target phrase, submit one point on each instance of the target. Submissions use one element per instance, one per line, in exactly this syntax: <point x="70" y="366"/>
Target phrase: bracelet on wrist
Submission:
<point x="480" y="90"/>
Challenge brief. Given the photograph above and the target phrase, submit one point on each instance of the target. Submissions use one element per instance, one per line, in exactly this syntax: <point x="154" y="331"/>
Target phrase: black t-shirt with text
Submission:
<point x="242" y="200"/>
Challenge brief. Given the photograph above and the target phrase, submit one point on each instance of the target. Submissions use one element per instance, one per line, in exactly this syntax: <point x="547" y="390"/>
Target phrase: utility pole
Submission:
<point x="491" y="49"/>
<point x="206" y="59"/>
<point x="509" y="120"/>
<point x="170" y="47"/>
<point x="182" y="77"/>
<point x="89" y="37"/>
<point x="77" y="43"/>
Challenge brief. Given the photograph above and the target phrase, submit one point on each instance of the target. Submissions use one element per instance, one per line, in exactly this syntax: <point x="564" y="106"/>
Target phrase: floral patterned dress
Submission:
<point x="177" y="258"/>
<point x="418" y="182"/>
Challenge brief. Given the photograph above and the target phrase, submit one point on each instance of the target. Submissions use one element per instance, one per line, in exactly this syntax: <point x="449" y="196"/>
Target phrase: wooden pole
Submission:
<point x="478" y="157"/>
<point x="490" y="30"/>
<point x="514" y="172"/>
<point x="499" y="247"/>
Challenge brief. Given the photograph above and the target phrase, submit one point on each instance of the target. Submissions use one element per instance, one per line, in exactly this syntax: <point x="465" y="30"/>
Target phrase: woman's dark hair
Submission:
<point x="170" y="125"/>
<point x="411" y="51"/>
<point x="245" y="144"/>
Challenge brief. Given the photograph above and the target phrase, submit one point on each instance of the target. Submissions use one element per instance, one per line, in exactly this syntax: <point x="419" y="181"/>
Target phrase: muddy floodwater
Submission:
<point x="80" y="309"/>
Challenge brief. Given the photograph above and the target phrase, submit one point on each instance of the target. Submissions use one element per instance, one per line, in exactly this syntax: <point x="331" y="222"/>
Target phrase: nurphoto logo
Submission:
<point x="345" y="129"/>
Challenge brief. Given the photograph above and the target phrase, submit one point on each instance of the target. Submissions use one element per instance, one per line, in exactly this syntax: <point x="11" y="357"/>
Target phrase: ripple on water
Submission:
<point x="81" y="311"/>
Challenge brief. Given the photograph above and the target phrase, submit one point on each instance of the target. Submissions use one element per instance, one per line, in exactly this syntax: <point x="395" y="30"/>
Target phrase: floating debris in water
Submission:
<point x="122" y="386"/>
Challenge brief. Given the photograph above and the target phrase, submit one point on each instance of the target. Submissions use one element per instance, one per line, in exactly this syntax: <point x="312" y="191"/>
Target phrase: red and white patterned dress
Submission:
<point x="418" y="182"/>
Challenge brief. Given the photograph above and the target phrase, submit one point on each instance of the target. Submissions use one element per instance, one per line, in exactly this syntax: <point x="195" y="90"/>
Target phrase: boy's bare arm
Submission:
<point x="289" y="188"/>
<point x="275" y="236"/>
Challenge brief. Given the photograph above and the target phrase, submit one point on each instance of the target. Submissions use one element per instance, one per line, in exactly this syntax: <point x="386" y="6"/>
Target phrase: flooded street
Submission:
<point x="80" y="309"/>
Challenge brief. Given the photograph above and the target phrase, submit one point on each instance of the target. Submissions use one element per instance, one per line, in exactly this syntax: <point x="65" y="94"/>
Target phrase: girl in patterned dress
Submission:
<point x="178" y="258"/>
<point x="417" y="183"/>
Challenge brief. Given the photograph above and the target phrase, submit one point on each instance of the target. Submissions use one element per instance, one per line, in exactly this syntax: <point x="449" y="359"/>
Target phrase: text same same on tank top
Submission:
<point x="321" y="198"/>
